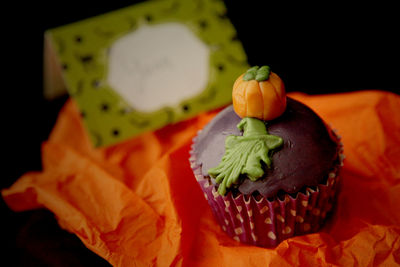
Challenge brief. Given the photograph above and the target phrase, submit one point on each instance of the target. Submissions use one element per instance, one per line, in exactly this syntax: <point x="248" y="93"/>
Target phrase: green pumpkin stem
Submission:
<point x="257" y="73"/>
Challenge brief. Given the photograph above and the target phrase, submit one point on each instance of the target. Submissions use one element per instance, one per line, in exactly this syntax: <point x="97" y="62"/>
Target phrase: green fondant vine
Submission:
<point x="244" y="154"/>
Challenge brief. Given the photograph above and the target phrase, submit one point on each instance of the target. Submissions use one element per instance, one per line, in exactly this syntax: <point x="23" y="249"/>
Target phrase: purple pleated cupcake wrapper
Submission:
<point x="266" y="223"/>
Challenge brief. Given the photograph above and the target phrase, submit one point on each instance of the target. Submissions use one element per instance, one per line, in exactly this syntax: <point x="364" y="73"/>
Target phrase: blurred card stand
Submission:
<point x="145" y="66"/>
<point x="53" y="81"/>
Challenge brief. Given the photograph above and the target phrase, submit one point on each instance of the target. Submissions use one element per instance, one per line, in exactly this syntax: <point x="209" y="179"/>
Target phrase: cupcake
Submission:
<point x="268" y="165"/>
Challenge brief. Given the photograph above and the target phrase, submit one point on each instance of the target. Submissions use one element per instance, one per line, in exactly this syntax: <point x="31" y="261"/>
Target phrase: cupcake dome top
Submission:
<point x="305" y="159"/>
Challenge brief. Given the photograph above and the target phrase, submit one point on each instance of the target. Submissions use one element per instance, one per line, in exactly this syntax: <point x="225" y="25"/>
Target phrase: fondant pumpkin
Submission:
<point x="259" y="93"/>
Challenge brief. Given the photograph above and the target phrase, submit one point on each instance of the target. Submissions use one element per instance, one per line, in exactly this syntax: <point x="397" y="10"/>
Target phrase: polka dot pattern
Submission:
<point x="264" y="209"/>
<point x="271" y="235"/>
<point x="238" y="231"/>
<point x="268" y="221"/>
<point x="254" y="237"/>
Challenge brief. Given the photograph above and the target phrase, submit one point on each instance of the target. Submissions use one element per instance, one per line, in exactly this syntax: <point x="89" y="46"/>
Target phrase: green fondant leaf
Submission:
<point x="244" y="154"/>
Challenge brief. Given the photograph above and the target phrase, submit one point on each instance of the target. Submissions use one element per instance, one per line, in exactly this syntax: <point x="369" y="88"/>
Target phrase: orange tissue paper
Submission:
<point x="137" y="203"/>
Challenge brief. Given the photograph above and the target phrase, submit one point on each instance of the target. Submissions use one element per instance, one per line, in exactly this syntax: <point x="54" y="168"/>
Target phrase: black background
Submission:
<point x="315" y="48"/>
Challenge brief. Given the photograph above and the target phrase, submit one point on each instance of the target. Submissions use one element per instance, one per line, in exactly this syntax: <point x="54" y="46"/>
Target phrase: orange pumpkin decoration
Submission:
<point x="259" y="93"/>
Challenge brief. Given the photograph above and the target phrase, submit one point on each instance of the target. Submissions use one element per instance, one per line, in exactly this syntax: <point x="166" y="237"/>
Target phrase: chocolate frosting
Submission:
<point x="308" y="154"/>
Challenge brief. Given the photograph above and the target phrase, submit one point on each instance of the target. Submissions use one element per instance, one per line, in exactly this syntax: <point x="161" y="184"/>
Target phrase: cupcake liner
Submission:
<point x="265" y="223"/>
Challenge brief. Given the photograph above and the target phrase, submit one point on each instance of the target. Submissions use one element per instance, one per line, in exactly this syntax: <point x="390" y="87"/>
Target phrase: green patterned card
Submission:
<point x="142" y="67"/>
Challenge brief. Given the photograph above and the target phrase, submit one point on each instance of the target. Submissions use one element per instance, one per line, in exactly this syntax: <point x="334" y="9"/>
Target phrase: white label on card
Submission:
<point x="157" y="66"/>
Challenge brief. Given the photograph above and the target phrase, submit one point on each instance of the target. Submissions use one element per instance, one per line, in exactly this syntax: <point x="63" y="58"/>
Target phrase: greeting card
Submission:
<point x="145" y="66"/>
